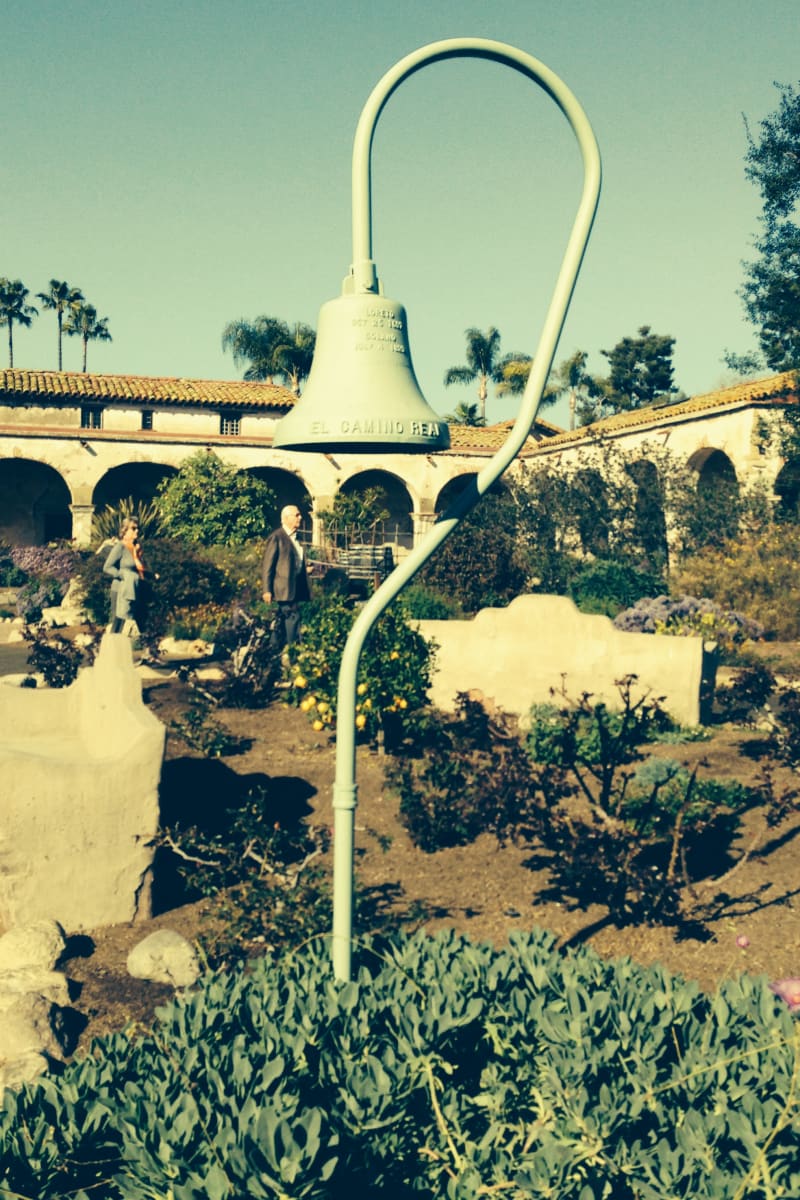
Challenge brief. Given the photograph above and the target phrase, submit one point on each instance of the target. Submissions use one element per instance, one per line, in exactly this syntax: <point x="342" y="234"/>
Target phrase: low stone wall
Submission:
<point x="514" y="656"/>
<point x="80" y="769"/>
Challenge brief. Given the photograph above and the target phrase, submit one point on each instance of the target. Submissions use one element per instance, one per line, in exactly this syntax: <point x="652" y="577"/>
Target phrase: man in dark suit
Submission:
<point x="284" y="577"/>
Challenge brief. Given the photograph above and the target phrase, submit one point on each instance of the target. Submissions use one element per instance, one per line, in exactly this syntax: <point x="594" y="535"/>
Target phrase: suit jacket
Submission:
<point x="282" y="572"/>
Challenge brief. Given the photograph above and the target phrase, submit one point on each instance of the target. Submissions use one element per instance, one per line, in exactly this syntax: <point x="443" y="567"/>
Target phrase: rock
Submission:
<point x="22" y="1069"/>
<point x="33" y="981"/>
<point x="33" y="1000"/>
<point x="170" y="649"/>
<point x="210" y="674"/>
<point x="164" y="957"/>
<point x="25" y="1026"/>
<point x="37" y="944"/>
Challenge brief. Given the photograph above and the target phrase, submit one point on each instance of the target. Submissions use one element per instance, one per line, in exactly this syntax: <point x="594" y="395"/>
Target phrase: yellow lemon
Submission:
<point x="317" y="725"/>
<point x="361" y="721"/>
<point x="402" y="703"/>
<point x="300" y="681"/>
<point x="362" y="687"/>
<point x="394" y="655"/>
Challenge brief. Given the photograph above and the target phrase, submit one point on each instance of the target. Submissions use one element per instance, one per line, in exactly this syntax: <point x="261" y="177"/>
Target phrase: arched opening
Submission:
<point x="138" y="481"/>
<point x="715" y="516"/>
<point x="397" y="529"/>
<point x="592" y="512"/>
<point x="452" y="490"/>
<point x="34" y="503"/>
<point x="288" y="489"/>
<point x="787" y="489"/>
<point x="649" y="522"/>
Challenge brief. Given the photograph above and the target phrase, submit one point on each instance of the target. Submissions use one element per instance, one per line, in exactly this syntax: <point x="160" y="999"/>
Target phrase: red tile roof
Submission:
<point x="27" y="385"/>
<point x="488" y="438"/>
<point x="776" y="389"/>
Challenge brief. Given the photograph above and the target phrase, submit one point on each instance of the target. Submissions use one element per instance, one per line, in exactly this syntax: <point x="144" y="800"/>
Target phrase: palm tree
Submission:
<point x="466" y="414"/>
<point x="84" y="323"/>
<point x="293" y="358"/>
<point x="13" y="307"/>
<point x="515" y="370"/>
<point x="62" y="298"/>
<point x="572" y="379"/>
<point x="483" y="351"/>
<point x="255" y="343"/>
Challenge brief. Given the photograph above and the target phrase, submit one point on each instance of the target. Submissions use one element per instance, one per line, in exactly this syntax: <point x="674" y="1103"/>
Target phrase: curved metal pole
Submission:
<point x="365" y="279"/>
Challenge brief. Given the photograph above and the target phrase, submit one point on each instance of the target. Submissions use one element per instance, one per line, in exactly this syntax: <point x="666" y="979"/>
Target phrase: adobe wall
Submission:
<point x="514" y="656"/>
<point x="80" y="769"/>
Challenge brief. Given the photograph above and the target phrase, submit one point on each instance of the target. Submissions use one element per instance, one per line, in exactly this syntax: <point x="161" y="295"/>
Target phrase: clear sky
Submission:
<point x="187" y="162"/>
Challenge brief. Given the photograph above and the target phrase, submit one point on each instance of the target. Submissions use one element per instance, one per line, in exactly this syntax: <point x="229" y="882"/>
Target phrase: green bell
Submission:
<point x="362" y="393"/>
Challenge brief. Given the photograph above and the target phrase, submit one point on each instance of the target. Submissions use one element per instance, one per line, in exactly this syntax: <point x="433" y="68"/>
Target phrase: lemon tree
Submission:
<point x="394" y="671"/>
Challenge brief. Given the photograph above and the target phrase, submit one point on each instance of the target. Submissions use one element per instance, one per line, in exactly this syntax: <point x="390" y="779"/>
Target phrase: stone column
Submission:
<point x="421" y="523"/>
<point x="82" y="523"/>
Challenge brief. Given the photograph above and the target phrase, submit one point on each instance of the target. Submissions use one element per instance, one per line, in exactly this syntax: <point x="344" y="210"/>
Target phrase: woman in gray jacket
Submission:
<point x="125" y="565"/>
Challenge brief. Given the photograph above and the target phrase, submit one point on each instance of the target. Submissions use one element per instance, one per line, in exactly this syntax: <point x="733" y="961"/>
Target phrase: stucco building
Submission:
<point x="72" y="443"/>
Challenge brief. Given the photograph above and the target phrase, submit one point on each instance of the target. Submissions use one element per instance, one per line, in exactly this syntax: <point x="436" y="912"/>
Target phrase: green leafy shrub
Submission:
<point x="186" y="579"/>
<point x="469" y="775"/>
<point x="480" y="564"/>
<point x="444" y="1069"/>
<point x="11" y="575"/>
<point x="426" y="604"/>
<point x="393" y="676"/>
<point x="202" y="621"/>
<point x="607" y="586"/>
<point x="209" y="503"/>
<point x="241" y="566"/>
<point x="355" y="517"/>
<point x="630" y="837"/>
<point x="593" y="734"/>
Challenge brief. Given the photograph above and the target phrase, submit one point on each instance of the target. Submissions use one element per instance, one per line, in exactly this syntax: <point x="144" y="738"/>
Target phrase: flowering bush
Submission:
<point x="685" y="616"/>
<point x="393" y="676"/>
<point x="199" y="621"/>
<point x="46" y="562"/>
<point x="36" y="595"/>
<point x="42" y="573"/>
<point x="757" y="573"/>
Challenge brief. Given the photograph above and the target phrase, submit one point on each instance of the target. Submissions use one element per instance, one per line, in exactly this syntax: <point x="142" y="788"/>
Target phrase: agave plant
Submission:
<point x="107" y="522"/>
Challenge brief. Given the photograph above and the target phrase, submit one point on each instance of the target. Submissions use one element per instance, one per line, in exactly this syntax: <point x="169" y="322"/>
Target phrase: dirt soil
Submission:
<point x="482" y="889"/>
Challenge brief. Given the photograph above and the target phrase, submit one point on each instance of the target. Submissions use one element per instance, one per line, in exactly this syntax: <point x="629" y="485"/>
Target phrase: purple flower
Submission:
<point x="743" y="941"/>
<point x="789" y="990"/>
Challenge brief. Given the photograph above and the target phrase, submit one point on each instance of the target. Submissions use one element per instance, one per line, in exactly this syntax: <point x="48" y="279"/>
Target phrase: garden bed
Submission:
<point x="481" y="889"/>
